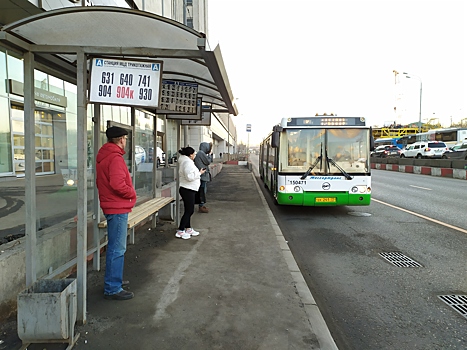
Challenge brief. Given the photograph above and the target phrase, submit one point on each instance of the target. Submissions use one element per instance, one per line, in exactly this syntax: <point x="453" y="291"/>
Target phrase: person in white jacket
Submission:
<point x="189" y="177"/>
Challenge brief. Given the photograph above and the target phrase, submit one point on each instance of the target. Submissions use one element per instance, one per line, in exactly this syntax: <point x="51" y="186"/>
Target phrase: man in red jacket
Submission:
<point x="117" y="197"/>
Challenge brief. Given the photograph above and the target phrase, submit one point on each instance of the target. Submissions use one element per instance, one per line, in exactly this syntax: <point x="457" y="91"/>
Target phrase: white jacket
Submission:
<point x="188" y="173"/>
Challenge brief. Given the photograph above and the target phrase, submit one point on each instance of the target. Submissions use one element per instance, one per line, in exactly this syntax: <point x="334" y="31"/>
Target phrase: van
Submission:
<point x="424" y="149"/>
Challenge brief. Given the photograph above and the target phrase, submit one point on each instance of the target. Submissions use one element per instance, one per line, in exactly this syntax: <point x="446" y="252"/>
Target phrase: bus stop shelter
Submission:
<point x="65" y="40"/>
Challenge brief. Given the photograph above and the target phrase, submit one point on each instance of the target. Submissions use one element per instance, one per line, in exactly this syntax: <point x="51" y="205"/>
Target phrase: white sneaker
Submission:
<point x="182" y="234"/>
<point x="192" y="232"/>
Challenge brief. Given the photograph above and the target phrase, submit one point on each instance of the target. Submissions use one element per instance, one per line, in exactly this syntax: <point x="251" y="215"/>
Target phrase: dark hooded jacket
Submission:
<point x="116" y="192"/>
<point x="203" y="159"/>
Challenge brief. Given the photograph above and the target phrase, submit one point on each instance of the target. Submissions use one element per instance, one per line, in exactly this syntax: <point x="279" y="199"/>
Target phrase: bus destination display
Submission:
<point x="131" y="83"/>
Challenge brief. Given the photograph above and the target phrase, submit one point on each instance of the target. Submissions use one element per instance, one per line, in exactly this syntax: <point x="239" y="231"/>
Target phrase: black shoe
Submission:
<point x="123" y="295"/>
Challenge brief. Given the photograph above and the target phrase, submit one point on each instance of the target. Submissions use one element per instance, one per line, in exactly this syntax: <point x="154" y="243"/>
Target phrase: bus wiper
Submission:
<point x="347" y="176"/>
<point x="318" y="159"/>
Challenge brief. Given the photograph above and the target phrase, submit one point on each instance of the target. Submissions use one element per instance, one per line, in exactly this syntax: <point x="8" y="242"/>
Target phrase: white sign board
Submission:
<point x="248" y="127"/>
<point x="125" y="82"/>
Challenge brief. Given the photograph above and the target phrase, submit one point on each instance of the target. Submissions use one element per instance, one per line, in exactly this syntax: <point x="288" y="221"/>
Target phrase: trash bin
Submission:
<point x="47" y="311"/>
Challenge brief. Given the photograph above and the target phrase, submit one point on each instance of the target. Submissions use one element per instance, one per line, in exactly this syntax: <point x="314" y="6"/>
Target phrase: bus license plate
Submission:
<point x="326" y="200"/>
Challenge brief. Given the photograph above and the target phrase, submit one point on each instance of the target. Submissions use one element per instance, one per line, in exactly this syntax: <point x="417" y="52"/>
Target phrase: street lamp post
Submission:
<point x="420" y="109"/>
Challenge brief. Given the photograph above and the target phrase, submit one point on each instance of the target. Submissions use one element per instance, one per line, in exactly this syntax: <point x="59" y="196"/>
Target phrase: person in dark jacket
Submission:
<point x="117" y="197"/>
<point x="202" y="161"/>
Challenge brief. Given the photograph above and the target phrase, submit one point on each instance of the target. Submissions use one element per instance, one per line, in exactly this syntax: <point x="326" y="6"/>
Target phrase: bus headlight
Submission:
<point x="290" y="189"/>
<point x="360" y="189"/>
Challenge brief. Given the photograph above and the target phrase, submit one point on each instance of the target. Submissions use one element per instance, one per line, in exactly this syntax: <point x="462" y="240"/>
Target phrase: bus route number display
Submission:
<point x="179" y="97"/>
<point x="130" y="83"/>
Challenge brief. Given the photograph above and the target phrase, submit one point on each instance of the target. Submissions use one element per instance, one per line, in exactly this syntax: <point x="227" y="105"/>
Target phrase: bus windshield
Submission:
<point x="318" y="148"/>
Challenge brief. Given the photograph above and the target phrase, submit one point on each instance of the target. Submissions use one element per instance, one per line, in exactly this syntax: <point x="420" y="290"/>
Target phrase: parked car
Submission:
<point x="458" y="151"/>
<point x="424" y="149"/>
<point x="386" y="151"/>
<point x="160" y="156"/>
<point x="140" y="155"/>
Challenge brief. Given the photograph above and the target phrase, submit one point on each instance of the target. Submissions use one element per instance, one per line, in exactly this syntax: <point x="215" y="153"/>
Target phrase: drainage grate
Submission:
<point x="457" y="302"/>
<point x="400" y="260"/>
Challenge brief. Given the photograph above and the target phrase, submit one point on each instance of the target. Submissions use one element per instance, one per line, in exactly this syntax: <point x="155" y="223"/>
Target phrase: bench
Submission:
<point x="141" y="212"/>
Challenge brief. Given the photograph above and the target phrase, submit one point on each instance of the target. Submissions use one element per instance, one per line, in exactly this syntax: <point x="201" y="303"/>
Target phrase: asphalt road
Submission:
<point x="367" y="302"/>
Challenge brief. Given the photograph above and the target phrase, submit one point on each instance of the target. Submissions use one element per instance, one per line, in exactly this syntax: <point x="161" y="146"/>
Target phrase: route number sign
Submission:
<point x="122" y="82"/>
<point x="178" y="97"/>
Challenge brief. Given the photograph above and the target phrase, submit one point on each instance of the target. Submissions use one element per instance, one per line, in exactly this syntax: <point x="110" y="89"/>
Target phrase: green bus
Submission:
<point x="318" y="161"/>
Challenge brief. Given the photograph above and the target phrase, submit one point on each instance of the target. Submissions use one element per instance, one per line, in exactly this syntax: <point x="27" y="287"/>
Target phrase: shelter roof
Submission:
<point x="56" y="36"/>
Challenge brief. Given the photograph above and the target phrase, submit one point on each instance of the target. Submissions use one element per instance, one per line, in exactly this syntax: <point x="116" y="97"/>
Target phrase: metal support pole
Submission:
<point x="407" y="75"/>
<point x="420" y="110"/>
<point x="164" y="144"/>
<point x="154" y="157"/>
<point x="133" y="140"/>
<point x="185" y="136"/>
<point x="82" y="185"/>
<point x="177" y="194"/>
<point x="96" y="261"/>
<point x="248" y="149"/>
<point x="30" y="167"/>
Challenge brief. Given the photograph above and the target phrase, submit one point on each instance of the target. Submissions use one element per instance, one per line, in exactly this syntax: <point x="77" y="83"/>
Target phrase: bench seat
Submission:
<point x="141" y="212"/>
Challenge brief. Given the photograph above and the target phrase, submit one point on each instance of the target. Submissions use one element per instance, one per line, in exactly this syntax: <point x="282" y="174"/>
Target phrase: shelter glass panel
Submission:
<point x="3" y="75"/>
<point x="144" y="149"/>
<point x="6" y="159"/>
<point x="15" y="68"/>
<point x="41" y="80"/>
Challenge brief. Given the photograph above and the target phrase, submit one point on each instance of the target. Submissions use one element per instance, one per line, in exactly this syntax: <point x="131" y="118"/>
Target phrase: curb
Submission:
<point x="423" y="170"/>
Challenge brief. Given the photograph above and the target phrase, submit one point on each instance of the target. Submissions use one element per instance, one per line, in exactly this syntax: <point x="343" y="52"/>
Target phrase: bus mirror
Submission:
<point x="275" y="139"/>
<point x="372" y="140"/>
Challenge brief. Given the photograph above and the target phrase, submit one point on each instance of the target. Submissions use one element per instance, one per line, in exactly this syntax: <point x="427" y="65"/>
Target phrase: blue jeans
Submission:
<point x="116" y="248"/>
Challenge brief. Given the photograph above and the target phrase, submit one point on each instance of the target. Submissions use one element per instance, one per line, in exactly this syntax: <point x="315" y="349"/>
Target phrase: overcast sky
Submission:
<point x="298" y="58"/>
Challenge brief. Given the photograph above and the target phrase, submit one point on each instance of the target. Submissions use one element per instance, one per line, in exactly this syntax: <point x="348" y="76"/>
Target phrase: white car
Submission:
<point x="160" y="156"/>
<point x="424" y="149"/>
<point x="140" y="155"/>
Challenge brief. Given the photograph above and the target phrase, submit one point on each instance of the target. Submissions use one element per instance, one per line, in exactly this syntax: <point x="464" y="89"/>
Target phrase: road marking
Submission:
<point x="422" y="216"/>
<point x="423" y="188"/>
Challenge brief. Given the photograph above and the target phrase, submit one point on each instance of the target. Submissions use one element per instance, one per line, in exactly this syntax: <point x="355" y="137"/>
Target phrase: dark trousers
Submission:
<point x="188" y="197"/>
<point x="201" y="194"/>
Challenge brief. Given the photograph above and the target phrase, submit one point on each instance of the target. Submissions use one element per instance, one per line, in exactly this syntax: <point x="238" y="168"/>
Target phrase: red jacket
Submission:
<point x="116" y="192"/>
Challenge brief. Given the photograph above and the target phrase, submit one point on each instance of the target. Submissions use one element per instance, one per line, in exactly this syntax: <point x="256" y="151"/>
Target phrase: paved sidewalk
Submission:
<point x="235" y="286"/>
